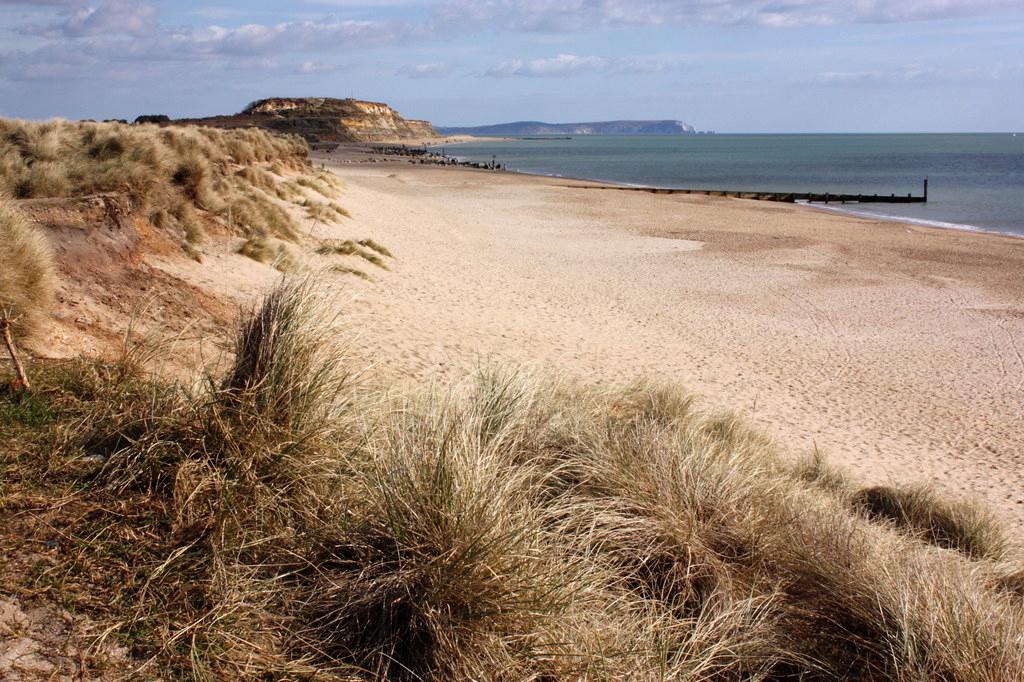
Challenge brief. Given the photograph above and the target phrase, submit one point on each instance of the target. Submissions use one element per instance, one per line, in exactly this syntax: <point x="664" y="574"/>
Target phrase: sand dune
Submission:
<point x="897" y="350"/>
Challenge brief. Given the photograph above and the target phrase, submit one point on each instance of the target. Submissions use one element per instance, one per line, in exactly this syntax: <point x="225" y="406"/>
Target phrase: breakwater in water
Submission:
<point x="427" y="155"/>
<point x="788" y="197"/>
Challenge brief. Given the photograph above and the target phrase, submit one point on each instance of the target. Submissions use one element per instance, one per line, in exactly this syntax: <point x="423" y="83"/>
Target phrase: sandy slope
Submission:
<point x="897" y="350"/>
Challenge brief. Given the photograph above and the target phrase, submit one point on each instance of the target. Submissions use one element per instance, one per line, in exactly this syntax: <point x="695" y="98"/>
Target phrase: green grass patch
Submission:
<point x="30" y="410"/>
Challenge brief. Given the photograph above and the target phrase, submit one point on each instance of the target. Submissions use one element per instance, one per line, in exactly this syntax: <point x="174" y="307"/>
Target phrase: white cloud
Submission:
<point x="368" y="3"/>
<point x="293" y="36"/>
<point x="576" y="15"/>
<point x="217" y="13"/>
<point x="110" y="17"/>
<point x="113" y="16"/>
<point x="560" y="65"/>
<point x="657" y="64"/>
<point x="91" y="44"/>
<point x="431" y="70"/>
<point x="41" y="3"/>
<point x="88" y="37"/>
<point x="570" y="64"/>
<point x="310" y="68"/>
<point x="912" y="74"/>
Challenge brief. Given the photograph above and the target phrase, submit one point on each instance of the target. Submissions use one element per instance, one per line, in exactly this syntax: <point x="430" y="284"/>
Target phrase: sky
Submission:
<point x="723" y="65"/>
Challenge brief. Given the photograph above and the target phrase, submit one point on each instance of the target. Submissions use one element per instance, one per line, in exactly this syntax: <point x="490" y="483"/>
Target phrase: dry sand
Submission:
<point x="897" y="350"/>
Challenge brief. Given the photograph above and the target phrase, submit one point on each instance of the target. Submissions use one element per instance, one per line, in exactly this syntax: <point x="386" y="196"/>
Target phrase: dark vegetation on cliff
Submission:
<point x="280" y="519"/>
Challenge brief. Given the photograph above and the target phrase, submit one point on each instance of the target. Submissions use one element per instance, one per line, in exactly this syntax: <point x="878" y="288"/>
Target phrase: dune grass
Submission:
<point x="348" y="247"/>
<point x="325" y="212"/>
<point x="953" y="524"/>
<point x="273" y="252"/>
<point x="346" y="270"/>
<point x="283" y="521"/>
<point x="27" y="274"/>
<point x="916" y="510"/>
<point x="180" y="177"/>
<point x="319" y="184"/>
<point x="379" y="248"/>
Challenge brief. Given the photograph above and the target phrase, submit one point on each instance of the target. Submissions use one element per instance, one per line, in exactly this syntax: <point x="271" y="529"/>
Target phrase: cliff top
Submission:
<point x="319" y="120"/>
<point x="281" y="105"/>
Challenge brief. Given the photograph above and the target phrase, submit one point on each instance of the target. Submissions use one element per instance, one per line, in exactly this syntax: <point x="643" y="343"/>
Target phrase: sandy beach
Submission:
<point x="251" y="408"/>
<point x="897" y="350"/>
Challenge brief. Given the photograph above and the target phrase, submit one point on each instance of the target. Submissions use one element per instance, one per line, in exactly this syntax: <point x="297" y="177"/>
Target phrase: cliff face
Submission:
<point x="371" y="121"/>
<point x="323" y="120"/>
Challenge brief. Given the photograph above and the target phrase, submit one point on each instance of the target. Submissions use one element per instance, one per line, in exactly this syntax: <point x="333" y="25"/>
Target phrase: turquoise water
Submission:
<point x="975" y="180"/>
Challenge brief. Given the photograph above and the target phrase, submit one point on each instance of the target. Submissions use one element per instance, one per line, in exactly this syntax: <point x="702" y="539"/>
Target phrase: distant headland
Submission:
<point x="663" y="127"/>
<point x="319" y="120"/>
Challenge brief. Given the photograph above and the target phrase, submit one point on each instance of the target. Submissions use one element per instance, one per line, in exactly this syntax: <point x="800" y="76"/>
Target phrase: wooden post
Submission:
<point x="5" y="329"/>
<point x="926" y="190"/>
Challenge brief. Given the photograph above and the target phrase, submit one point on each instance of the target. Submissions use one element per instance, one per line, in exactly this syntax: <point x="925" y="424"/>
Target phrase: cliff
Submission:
<point x="322" y="120"/>
<point x="593" y="128"/>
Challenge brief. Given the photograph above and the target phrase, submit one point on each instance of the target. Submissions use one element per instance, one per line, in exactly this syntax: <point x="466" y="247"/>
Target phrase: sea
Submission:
<point x="976" y="181"/>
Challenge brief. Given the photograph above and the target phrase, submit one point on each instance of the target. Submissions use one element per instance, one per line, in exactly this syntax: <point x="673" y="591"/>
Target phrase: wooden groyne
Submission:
<point x="422" y="154"/>
<point x="788" y="197"/>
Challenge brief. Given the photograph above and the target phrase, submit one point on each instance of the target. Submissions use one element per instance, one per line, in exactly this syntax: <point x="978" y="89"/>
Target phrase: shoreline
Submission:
<point x="974" y="229"/>
<point x="942" y="225"/>
<point x="938" y="224"/>
<point x="920" y="222"/>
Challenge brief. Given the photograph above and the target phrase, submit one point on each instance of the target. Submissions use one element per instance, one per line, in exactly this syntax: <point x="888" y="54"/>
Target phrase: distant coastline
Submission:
<point x="527" y="129"/>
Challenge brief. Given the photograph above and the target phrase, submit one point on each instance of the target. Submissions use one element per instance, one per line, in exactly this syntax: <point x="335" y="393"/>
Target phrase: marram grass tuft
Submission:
<point x="289" y="522"/>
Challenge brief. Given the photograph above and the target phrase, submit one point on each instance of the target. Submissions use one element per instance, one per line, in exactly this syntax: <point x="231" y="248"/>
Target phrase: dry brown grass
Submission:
<point x="298" y="525"/>
<point x="325" y="212"/>
<point x="348" y="247"/>
<point x="273" y="252"/>
<point x="379" y="248"/>
<point x="346" y="270"/>
<point x="318" y="184"/>
<point x="27" y="275"/>
<point x="178" y="176"/>
<point x="920" y="510"/>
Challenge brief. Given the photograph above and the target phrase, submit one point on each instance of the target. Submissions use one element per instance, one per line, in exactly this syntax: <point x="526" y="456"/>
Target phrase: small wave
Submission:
<point x="913" y="221"/>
